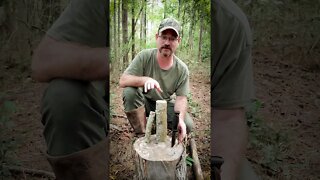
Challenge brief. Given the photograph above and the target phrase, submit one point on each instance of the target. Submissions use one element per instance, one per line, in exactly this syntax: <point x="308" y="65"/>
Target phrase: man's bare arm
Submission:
<point x="56" y="59"/>
<point x="229" y="138"/>
<point x="127" y="80"/>
<point x="148" y="83"/>
<point x="181" y="105"/>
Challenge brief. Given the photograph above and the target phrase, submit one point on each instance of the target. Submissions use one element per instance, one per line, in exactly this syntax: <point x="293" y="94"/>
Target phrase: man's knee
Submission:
<point x="130" y="94"/>
<point x="132" y="98"/>
<point x="67" y="105"/>
<point x="63" y="97"/>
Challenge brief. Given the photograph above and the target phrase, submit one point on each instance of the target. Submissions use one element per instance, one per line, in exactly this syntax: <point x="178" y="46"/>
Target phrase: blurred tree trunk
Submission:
<point x="200" y="38"/>
<point x="183" y="21"/>
<point x="165" y="9"/>
<point x="192" y="26"/>
<point x="179" y="9"/>
<point x="119" y="31"/>
<point x="63" y="4"/>
<point x="6" y="18"/>
<point x="115" y="44"/>
<point x="133" y="30"/>
<point x="125" y="31"/>
<point x="143" y="24"/>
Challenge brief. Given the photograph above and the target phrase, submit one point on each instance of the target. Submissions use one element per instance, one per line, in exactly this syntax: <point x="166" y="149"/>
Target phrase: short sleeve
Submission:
<point x="137" y="64"/>
<point x="232" y="76"/>
<point x="82" y="21"/>
<point x="183" y="87"/>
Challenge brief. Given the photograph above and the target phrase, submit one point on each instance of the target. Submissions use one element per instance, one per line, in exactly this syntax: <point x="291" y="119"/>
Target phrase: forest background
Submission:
<point x="284" y="122"/>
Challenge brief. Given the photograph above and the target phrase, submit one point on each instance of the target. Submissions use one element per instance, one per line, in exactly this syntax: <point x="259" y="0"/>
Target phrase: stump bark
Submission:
<point x="155" y="159"/>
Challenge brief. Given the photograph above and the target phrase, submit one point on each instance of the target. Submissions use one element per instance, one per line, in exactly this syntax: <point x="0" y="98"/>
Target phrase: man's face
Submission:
<point x="167" y="42"/>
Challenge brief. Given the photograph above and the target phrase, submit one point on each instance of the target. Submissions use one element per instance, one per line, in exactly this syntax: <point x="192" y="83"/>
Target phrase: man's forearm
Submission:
<point x="181" y="105"/>
<point x="127" y="80"/>
<point x="229" y="138"/>
<point x="56" y="59"/>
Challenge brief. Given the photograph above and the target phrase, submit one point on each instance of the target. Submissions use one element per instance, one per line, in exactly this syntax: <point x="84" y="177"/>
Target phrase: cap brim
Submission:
<point x="169" y="27"/>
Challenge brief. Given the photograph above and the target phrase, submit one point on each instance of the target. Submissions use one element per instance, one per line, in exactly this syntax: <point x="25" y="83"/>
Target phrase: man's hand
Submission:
<point x="182" y="130"/>
<point x="151" y="84"/>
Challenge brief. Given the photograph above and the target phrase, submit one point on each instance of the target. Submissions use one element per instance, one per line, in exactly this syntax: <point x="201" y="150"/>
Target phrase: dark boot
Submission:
<point x="137" y="119"/>
<point x="88" y="164"/>
<point x="216" y="162"/>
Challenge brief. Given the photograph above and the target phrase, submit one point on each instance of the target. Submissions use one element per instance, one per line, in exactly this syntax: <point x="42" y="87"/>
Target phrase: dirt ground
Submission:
<point x="289" y="93"/>
<point x="289" y="90"/>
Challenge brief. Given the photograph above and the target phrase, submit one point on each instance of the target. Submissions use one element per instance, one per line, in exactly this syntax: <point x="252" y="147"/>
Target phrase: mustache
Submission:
<point x="166" y="47"/>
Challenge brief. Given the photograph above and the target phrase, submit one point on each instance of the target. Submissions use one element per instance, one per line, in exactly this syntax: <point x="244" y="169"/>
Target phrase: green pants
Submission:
<point x="74" y="115"/>
<point x="134" y="98"/>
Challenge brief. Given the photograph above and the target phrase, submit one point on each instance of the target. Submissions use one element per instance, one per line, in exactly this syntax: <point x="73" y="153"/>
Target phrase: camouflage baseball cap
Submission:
<point x="169" y="23"/>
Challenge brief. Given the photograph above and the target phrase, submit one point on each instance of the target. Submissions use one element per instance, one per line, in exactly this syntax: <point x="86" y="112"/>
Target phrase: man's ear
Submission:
<point x="157" y="36"/>
<point x="179" y="39"/>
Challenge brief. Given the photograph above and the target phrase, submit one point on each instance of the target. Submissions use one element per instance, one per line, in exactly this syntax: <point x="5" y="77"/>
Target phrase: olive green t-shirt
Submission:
<point x="231" y="76"/>
<point x="174" y="80"/>
<point x="83" y="22"/>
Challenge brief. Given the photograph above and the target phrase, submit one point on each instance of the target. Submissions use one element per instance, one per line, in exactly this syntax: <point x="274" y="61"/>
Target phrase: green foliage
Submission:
<point x="185" y="12"/>
<point x="194" y="106"/>
<point x="189" y="161"/>
<point x="7" y="144"/>
<point x="270" y="144"/>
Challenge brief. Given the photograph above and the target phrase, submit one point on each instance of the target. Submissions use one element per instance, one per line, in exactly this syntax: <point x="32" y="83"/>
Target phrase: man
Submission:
<point x="72" y="58"/>
<point x="232" y="89"/>
<point x="156" y="74"/>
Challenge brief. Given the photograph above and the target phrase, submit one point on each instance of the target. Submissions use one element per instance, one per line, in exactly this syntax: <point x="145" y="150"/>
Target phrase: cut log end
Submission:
<point x="154" y="151"/>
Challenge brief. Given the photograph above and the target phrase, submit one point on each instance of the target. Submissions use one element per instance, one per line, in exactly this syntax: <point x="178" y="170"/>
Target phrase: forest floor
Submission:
<point x="290" y="100"/>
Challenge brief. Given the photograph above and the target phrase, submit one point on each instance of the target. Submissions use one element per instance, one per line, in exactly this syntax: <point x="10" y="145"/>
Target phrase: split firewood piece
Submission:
<point x="149" y="126"/>
<point x="161" y="120"/>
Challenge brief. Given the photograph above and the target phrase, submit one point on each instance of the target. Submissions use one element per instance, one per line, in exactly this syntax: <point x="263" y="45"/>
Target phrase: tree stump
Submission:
<point x="154" y="157"/>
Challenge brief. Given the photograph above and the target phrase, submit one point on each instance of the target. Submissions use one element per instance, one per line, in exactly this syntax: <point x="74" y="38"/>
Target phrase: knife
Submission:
<point x="174" y="128"/>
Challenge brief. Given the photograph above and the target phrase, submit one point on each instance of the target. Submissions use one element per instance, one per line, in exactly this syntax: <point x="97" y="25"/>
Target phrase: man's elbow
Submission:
<point x="122" y="82"/>
<point x="98" y="72"/>
<point x="37" y="70"/>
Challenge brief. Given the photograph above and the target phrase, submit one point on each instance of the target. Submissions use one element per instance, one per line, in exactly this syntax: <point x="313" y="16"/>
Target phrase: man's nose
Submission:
<point x="167" y="41"/>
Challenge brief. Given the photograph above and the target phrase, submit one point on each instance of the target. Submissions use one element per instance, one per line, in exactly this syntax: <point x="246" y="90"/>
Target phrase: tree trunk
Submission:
<point x="157" y="161"/>
<point x="115" y="44"/>
<point x="125" y="31"/>
<point x="133" y="30"/>
<point x="143" y="24"/>
<point x="63" y="4"/>
<point x="119" y="31"/>
<point x="193" y="18"/>
<point x="200" y="38"/>
<point x="183" y="21"/>
<point x="179" y="9"/>
<point x="141" y="27"/>
<point x="165" y="9"/>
